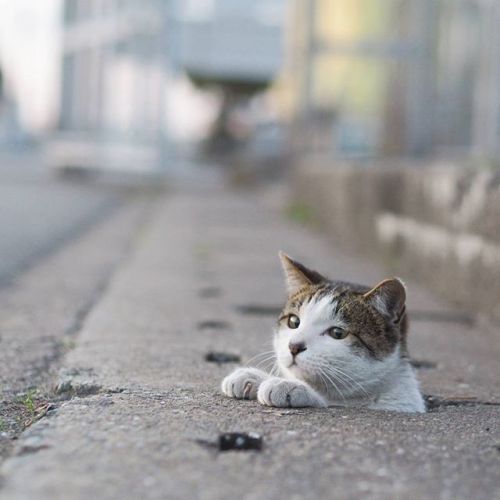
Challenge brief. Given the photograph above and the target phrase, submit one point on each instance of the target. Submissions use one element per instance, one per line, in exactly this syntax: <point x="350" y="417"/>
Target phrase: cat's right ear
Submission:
<point x="297" y="275"/>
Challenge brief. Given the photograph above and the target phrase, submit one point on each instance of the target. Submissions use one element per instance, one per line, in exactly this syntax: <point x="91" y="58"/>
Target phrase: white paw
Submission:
<point x="288" y="394"/>
<point x="243" y="383"/>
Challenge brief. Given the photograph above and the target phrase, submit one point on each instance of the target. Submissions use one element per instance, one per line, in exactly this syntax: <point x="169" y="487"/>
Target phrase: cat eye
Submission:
<point x="293" y="321"/>
<point x="337" y="333"/>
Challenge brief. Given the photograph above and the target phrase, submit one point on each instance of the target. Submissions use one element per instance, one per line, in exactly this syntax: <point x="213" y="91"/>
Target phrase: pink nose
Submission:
<point x="296" y="348"/>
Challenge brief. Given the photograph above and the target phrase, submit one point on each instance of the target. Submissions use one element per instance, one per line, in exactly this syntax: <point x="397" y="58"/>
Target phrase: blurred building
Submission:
<point x="394" y="77"/>
<point x="232" y="41"/>
<point x="122" y="60"/>
<point x="113" y="77"/>
<point x="236" y="49"/>
<point x="12" y="135"/>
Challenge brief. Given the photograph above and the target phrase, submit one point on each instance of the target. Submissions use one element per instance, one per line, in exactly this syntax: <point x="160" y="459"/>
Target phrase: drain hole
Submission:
<point x="221" y="357"/>
<point x="423" y="364"/>
<point x="442" y="317"/>
<point x="213" y="324"/>
<point x="209" y="292"/>
<point x="258" y="310"/>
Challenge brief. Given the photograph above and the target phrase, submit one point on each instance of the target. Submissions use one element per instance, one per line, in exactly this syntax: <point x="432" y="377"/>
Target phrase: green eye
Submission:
<point x="293" y="321"/>
<point x="337" y="333"/>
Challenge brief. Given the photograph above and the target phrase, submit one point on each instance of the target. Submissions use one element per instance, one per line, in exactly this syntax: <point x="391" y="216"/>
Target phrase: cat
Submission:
<point x="336" y="343"/>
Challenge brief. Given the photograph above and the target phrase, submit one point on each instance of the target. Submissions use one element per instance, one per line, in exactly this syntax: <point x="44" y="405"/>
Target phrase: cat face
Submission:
<point x="340" y="337"/>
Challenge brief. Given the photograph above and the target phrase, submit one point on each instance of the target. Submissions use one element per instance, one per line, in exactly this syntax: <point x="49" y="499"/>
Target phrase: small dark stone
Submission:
<point x="258" y="310"/>
<point x="222" y="357"/>
<point x="240" y="441"/>
<point x="213" y="324"/>
<point x="432" y="402"/>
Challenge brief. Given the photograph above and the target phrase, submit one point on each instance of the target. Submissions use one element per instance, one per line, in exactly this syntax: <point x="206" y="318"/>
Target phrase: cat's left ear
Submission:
<point x="389" y="298"/>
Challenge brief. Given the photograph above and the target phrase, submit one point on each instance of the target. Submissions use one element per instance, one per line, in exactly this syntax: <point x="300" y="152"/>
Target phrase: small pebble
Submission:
<point x="240" y="441"/>
<point x="222" y="357"/>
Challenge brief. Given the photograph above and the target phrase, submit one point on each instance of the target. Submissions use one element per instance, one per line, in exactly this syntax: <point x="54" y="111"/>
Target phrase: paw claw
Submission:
<point x="243" y="383"/>
<point x="247" y="389"/>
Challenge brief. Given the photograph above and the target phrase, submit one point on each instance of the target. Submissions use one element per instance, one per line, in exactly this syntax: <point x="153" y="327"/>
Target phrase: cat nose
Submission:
<point x="296" y="348"/>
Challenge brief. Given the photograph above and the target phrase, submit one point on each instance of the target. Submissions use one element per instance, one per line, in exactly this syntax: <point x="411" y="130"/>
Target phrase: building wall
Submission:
<point x="398" y="77"/>
<point x="113" y="67"/>
<point x="437" y="224"/>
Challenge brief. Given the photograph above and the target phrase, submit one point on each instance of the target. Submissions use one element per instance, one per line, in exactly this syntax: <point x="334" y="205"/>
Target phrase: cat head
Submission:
<point x="342" y="336"/>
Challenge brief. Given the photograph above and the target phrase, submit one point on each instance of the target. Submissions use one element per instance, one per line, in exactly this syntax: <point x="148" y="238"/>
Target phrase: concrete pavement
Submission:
<point x="42" y="310"/>
<point x="204" y="275"/>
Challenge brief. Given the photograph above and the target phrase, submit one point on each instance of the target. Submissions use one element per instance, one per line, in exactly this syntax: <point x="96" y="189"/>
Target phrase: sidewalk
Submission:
<point x="202" y="277"/>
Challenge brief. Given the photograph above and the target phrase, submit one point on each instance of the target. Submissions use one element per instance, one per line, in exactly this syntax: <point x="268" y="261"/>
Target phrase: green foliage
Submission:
<point x="28" y="401"/>
<point x="301" y="213"/>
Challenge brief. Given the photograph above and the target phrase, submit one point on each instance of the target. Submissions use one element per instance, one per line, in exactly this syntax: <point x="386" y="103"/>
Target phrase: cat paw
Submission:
<point x="243" y="383"/>
<point x="288" y="394"/>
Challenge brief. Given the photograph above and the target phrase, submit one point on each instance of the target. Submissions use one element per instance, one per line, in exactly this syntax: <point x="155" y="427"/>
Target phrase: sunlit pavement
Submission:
<point x="201" y="274"/>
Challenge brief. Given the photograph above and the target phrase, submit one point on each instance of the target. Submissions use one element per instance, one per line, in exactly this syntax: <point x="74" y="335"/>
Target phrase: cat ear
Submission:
<point x="388" y="297"/>
<point x="297" y="275"/>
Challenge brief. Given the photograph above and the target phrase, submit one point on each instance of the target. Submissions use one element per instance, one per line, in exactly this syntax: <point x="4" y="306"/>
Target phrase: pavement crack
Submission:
<point x="213" y="324"/>
<point x="104" y="283"/>
<point x="252" y="309"/>
<point x="434" y="402"/>
<point x="47" y="352"/>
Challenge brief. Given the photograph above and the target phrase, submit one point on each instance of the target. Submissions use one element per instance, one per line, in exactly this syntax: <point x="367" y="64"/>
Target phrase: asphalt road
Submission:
<point x="39" y="212"/>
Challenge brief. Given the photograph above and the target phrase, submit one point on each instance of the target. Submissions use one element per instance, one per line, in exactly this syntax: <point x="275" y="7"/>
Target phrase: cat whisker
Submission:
<point x="266" y="360"/>
<point x="275" y="371"/>
<point x="264" y="364"/>
<point x="346" y="383"/>
<point x="329" y="378"/>
<point x="348" y="379"/>
<point x="265" y="353"/>
<point x="357" y="383"/>
<point x="323" y="380"/>
<point x="342" y="376"/>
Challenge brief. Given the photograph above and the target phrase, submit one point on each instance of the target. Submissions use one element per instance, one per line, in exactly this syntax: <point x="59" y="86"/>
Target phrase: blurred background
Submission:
<point x="311" y="92"/>
<point x="131" y="84"/>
